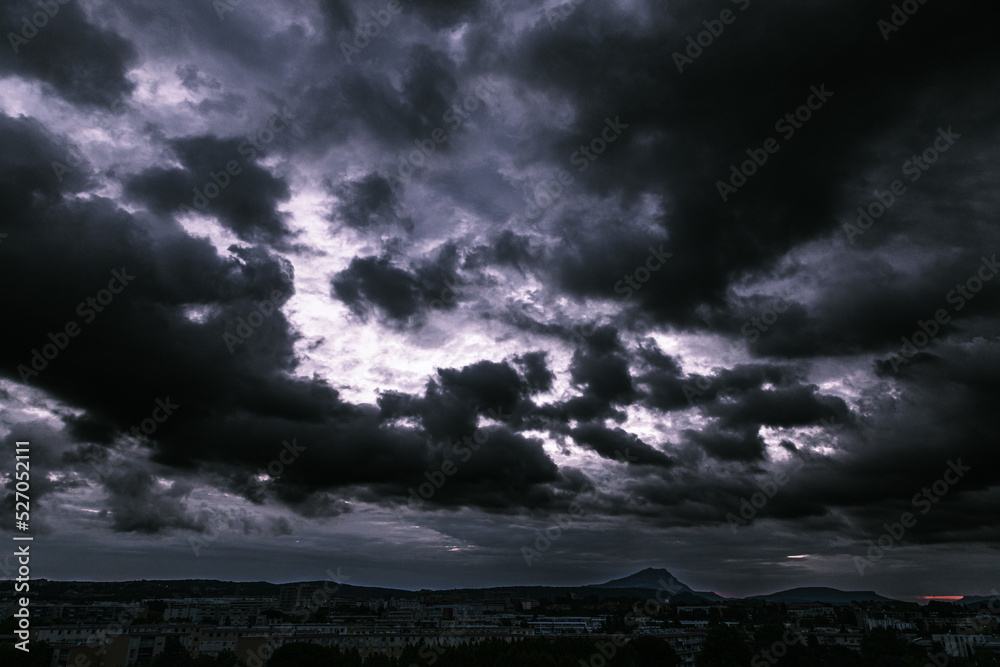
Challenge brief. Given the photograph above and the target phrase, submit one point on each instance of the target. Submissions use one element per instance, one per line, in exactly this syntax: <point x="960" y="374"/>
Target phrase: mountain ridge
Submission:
<point x="643" y="583"/>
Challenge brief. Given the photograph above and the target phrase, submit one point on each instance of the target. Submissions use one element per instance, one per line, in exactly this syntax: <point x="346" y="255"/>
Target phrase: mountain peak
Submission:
<point x="649" y="578"/>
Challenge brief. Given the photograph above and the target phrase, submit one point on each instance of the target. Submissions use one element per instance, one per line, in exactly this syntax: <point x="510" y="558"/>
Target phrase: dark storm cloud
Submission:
<point x="594" y="262"/>
<point x="443" y="416"/>
<point x="150" y="349"/>
<point x="852" y="317"/>
<point x="697" y="123"/>
<point x="144" y="346"/>
<point x="86" y="428"/>
<point x="137" y="505"/>
<point x="248" y="194"/>
<point x="618" y="445"/>
<point x="26" y="173"/>
<point x="446" y="13"/>
<point x="339" y="14"/>
<point x="217" y="32"/>
<point x="798" y="406"/>
<point x="601" y="367"/>
<point x="664" y="382"/>
<point x="355" y="101"/>
<point x="536" y="371"/>
<point x="505" y="472"/>
<point x="599" y="370"/>
<point x="486" y="383"/>
<point x="739" y="402"/>
<point x="44" y="489"/>
<point x="400" y="295"/>
<point x="141" y="346"/>
<point x="452" y="402"/>
<point x="194" y="80"/>
<point x="374" y="460"/>
<point x="668" y="388"/>
<point x="80" y="61"/>
<point x="373" y="282"/>
<point x="886" y="458"/>
<point x="745" y="445"/>
<point x="508" y="248"/>
<point x="231" y="104"/>
<point x="367" y="203"/>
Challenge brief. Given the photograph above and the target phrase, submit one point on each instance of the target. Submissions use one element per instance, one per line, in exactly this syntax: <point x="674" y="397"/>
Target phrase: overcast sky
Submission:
<point x="269" y="267"/>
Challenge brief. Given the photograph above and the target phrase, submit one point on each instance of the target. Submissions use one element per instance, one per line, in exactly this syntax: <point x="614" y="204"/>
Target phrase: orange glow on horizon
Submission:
<point x="942" y="597"/>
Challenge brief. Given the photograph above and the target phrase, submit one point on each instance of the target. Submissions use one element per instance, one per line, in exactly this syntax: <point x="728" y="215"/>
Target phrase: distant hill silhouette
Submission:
<point x="643" y="584"/>
<point x="821" y="594"/>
